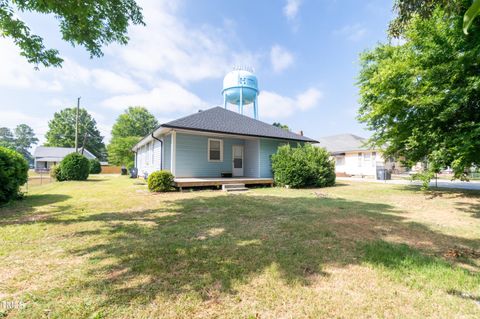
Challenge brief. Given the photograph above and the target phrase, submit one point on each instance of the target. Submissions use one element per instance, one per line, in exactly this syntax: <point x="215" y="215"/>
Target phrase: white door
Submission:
<point x="237" y="161"/>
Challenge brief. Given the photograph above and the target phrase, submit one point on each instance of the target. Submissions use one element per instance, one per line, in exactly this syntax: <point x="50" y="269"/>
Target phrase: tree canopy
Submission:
<point x="6" y="138"/>
<point x="24" y="139"/>
<point x="129" y="128"/>
<point x="61" y="131"/>
<point x="280" y="125"/>
<point x="406" y="10"/>
<point x="91" y="24"/>
<point x="135" y="121"/>
<point x="21" y="140"/>
<point x="421" y="98"/>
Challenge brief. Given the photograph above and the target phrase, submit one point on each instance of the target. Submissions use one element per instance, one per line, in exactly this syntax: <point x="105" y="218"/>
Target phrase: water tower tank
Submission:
<point x="240" y="87"/>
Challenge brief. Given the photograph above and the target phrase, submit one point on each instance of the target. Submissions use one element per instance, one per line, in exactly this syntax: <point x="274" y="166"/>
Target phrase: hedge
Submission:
<point x="160" y="181"/>
<point x="73" y="167"/>
<point x="13" y="174"/>
<point x="95" y="167"/>
<point x="303" y="166"/>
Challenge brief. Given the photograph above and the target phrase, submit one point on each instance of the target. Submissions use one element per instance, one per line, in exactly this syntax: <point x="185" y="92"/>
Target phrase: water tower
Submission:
<point x="240" y="87"/>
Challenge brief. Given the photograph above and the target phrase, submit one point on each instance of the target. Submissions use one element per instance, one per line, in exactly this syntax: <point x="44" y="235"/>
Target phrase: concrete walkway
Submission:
<point x="472" y="185"/>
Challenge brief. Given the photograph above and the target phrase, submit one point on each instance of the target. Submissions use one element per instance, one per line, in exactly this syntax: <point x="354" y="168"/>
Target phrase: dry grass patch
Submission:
<point x="107" y="249"/>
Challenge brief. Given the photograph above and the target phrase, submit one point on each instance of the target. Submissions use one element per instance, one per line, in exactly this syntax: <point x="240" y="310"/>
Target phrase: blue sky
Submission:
<point x="305" y="54"/>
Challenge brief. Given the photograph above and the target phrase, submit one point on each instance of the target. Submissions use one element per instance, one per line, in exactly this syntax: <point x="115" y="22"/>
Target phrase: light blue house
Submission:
<point x="214" y="144"/>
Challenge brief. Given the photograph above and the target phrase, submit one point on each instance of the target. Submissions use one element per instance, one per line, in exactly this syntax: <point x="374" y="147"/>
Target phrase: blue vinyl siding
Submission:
<point x="252" y="157"/>
<point x="269" y="147"/>
<point x="167" y="149"/>
<point x="192" y="156"/>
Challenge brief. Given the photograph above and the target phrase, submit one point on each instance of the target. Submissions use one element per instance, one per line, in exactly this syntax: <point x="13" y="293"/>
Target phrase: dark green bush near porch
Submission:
<point x="13" y="174"/>
<point x="74" y="167"/>
<point x="160" y="181"/>
<point x="303" y="166"/>
<point x="95" y="167"/>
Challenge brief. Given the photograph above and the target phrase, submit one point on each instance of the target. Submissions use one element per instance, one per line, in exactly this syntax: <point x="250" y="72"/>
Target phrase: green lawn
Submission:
<point x="106" y="248"/>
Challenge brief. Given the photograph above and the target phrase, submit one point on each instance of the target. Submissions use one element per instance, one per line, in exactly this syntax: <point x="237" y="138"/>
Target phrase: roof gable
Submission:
<point x="220" y="120"/>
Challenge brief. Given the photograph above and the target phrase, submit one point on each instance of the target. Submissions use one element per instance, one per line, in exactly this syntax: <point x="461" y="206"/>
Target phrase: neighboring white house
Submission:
<point x="352" y="157"/>
<point x="45" y="157"/>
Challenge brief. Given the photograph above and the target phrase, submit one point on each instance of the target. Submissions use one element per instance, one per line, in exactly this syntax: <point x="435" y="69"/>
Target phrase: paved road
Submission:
<point x="473" y="185"/>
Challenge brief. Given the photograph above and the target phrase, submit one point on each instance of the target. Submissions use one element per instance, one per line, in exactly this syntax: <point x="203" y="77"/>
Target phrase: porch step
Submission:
<point x="234" y="188"/>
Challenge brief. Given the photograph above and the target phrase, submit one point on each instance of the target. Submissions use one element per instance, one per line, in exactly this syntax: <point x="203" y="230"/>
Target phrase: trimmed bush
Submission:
<point x="160" y="181"/>
<point x="55" y="172"/>
<point x="74" y="167"/>
<point x="303" y="166"/>
<point x="13" y="174"/>
<point x="95" y="167"/>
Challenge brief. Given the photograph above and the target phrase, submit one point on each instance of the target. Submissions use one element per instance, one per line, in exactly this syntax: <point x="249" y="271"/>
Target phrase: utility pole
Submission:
<point x="76" y="126"/>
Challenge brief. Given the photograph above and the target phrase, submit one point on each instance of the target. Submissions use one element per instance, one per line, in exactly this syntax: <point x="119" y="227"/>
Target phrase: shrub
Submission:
<point x="160" y="181"/>
<point x="303" y="166"/>
<point x="74" y="167"/>
<point x="55" y="172"/>
<point x="13" y="174"/>
<point x="95" y="167"/>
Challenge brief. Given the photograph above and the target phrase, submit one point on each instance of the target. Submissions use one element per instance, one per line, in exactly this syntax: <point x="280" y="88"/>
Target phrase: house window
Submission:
<point x="153" y="152"/>
<point x="374" y="159"/>
<point x="147" y="153"/>
<point x="359" y="159"/>
<point x="340" y="160"/>
<point x="215" y="150"/>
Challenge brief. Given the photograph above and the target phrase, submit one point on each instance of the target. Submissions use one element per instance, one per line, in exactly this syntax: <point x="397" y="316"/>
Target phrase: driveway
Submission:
<point x="472" y="185"/>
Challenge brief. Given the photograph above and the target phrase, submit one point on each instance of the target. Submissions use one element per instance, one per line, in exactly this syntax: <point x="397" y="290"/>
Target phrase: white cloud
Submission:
<point x="290" y="10"/>
<point x="280" y="58"/>
<point x="113" y="82"/>
<point x="167" y="46"/>
<point x="166" y="97"/>
<point x="354" y="32"/>
<point x="16" y="72"/>
<point x="273" y="105"/>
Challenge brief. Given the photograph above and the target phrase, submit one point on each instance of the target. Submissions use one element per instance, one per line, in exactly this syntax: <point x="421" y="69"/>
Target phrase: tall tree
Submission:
<point x="135" y="121"/>
<point x="91" y="24"/>
<point x="6" y="138"/>
<point x="130" y="127"/>
<point x="421" y="98"/>
<point x="61" y="131"/>
<point x="24" y="140"/>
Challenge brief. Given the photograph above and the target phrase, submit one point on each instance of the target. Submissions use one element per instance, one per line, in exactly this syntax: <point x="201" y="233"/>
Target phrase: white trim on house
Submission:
<point x="221" y="150"/>
<point x="173" y="153"/>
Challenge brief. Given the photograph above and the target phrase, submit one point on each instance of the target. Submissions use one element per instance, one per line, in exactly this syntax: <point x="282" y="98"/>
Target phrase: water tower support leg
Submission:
<point x="224" y="102"/>
<point x="255" y="108"/>
<point x="240" y="105"/>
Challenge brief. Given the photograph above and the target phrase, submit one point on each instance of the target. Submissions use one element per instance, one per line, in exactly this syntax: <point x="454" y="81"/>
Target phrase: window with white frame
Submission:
<point x="374" y="159"/>
<point x="153" y="152"/>
<point x="339" y="160"/>
<point x="359" y="159"/>
<point x="147" y="154"/>
<point x="366" y="158"/>
<point x="215" y="150"/>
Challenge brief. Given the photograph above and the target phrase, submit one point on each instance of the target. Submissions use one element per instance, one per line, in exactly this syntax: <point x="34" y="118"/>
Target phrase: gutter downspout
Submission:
<point x="161" y="151"/>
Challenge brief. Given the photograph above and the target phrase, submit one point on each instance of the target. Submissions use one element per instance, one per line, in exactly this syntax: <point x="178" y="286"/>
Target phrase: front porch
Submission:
<point x="218" y="181"/>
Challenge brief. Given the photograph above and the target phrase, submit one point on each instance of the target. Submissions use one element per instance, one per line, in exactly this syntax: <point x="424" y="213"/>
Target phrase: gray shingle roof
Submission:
<point x="47" y="152"/>
<point x="343" y="143"/>
<point x="220" y="120"/>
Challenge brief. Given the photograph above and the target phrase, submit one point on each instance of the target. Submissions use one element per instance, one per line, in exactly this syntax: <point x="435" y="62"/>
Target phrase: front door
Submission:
<point x="237" y="160"/>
